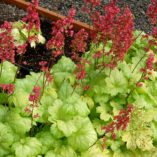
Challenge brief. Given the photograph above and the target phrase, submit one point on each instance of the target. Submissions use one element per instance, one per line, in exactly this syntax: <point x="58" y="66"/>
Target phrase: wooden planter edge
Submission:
<point x="49" y="14"/>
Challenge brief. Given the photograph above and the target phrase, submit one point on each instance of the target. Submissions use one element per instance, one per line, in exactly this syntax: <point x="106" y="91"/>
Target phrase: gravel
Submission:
<point x="138" y="7"/>
<point x="10" y="13"/>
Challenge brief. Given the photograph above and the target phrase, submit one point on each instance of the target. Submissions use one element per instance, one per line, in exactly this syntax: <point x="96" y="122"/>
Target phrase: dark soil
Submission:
<point x="34" y="56"/>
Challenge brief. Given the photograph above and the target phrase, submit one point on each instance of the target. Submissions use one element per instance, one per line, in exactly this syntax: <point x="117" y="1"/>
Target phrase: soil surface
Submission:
<point x="33" y="56"/>
<point x="138" y="7"/>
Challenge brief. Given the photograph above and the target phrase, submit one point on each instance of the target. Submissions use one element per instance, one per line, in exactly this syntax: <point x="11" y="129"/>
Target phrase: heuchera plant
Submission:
<point x="101" y="102"/>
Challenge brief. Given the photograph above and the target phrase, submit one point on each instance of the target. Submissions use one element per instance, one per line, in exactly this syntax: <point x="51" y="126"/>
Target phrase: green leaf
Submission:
<point x="116" y="145"/>
<point x="140" y="139"/>
<point x="104" y="112"/>
<point x="4" y="152"/>
<point x="84" y="137"/>
<point x="56" y="113"/>
<point x="3" y="112"/>
<point x="23" y="88"/>
<point x="116" y="83"/>
<point x="47" y="100"/>
<point x="3" y="98"/>
<point x="138" y="61"/>
<point x="154" y="130"/>
<point x="47" y="140"/>
<point x="64" y="151"/>
<point x="64" y="116"/>
<point x="28" y="147"/>
<point x="126" y="69"/>
<point x="89" y="101"/>
<point x="65" y="111"/>
<point x="29" y="82"/>
<point x="98" y="124"/>
<point x="8" y="73"/>
<point x="65" y="90"/>
<point x="19" y="124"/>
<point x="6" y="136"/>
<point x="117" y="105"/>
<point x="56" y="132"/>
<point x="20" y="99"/>
<point x="142" y="101"/>
<point x="124" y="153"/>
<point x="94" y="151"/>
<point x="75" y="106"/>
<point x="67" y="127"/>
<point x="63" y="70"/>
<point x="150" y="114"/>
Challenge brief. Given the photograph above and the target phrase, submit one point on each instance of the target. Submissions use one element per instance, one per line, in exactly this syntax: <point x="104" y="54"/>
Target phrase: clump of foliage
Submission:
<point x="102" y="103"/>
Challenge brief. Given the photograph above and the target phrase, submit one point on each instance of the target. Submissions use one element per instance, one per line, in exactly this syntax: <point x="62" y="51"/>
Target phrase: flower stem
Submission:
<point x="18" y="69"/>
<point x="138" y="62"/>
<point x="1" y="69"/>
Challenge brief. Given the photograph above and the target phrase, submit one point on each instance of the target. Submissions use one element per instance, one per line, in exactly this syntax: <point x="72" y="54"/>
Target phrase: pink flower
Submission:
<point x="139" y="84"/>
<point x="152" y="12"/>
<point x="60" y="29"/>
<point x="115" y="25"/>
<point x="27" y="109"/>
<point x="36" y="115"/>
<point x="9" y="88"/>
<point x="122" y="34"/>
<point x="7" y="47"/>
<point x="32" y="17"/>
<point x="21" y="49"/>
<point x="97" y="55"/>
<point x="149" y="62"/>
<point x="80" y="70"/>
<point x="94" y="3"/>
<point x="43" y="65"/>
<point x="120" y="121"/>
<point x="35" y="94"/>
<point x="79" y="43"/>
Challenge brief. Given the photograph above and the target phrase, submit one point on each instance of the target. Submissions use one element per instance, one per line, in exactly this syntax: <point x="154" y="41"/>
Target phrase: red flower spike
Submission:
<point x="7" y="47"/>
<point x="97" y="55"/>
<point x="149" y="62"/>
<point x="9" y="88"/>
<point x="143" y="70"/>
<point x="60" y="29"/>
<point x="79" y="43"/>
<point x="87" y="87"/>
<point x="146" y="78"/>
<point x="146" y="49"/>
<point x="36" y="115"/>
<point x="139" y="84"/>
<point x="43" y="65"/>
<point x="32" y="17"/>
<point x="21" y="49"/>
<point x="113" y="136"/>
<point x="80" y="70"/>
<point x="149" y="73"/>
<point x="35" y="95"/>
<point x="152" y="12"/>
<point x="114" y="25"/>
<point x="120" y="122"/>
<point x="49" y="77"/>
<point x="93" y="3"/>
<point x="122" y="36"/>
<point x="27" y="109"/>
<point x="81" y="74"/>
